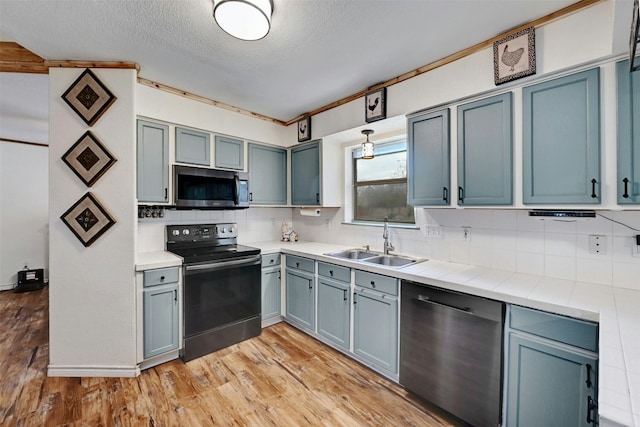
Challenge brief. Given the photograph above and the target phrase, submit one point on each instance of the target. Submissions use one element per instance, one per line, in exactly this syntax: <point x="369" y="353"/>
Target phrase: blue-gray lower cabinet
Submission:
<point x="485" y="146"/>
<point x="561" y="140"/>
<point x="270" y="292"/>
<point x="160" y="306"/>
<point x="193" y="147"/>
<point x="428" y="159"/>
<point x="334" y="303"/>
<point x="305" y="174"/>
<point x="548" y="385"/>
<point x="376" y="328"/>
<point x="152" y="162"/>
<point x="628" y="188"/>
<point x="552" y="370"/>
<point x="300" y="298"/>
<point x="268" y="172"/>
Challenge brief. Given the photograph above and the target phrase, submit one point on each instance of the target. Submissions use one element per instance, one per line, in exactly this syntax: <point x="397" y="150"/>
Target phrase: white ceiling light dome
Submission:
<point x="244" y="19"/>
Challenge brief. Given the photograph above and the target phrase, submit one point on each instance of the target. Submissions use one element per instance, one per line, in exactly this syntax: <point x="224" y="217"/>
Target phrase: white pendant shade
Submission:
<point x="243" y="19"/>
<point x="367" y="146"/>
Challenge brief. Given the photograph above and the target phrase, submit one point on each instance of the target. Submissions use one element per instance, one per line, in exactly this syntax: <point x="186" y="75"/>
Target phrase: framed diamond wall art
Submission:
<point x="88" y="158"/>
<point x="89" y="97"/>
<point x="87" y="219"/>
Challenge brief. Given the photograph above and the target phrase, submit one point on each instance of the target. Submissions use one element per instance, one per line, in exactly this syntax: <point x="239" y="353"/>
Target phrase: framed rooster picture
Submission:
<point x="375" y="105"/>
<point x="514" y="56"/>
<point x="304" y="129"/>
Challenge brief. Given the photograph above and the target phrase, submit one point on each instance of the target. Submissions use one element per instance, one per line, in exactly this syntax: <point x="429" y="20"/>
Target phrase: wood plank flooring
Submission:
<point x="282" y="378"/>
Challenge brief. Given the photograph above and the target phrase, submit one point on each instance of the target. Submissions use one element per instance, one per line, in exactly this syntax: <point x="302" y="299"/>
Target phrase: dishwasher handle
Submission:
<point x="424" y="298"/>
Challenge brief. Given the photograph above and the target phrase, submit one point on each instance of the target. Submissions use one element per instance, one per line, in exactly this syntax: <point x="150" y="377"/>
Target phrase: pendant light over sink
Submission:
<point x="367" y="146"/>
<point x="244" y="19"/>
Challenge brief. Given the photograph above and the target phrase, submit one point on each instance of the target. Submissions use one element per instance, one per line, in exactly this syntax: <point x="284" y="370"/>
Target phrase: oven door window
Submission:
<point x="223" y="293"/>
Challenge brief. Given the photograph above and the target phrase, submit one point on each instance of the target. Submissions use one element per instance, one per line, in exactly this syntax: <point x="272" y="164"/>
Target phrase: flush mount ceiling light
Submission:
<point x="367" y="146"/>
<point x="244" y="19"/>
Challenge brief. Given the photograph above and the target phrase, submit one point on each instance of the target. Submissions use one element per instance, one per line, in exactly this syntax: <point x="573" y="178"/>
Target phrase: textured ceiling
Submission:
<point x="318" y="51"/>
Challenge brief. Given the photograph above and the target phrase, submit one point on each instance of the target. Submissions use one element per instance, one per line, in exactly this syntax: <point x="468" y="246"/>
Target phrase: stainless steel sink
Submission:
<point x="391" y="260"/>
<point x="356" y="254"/>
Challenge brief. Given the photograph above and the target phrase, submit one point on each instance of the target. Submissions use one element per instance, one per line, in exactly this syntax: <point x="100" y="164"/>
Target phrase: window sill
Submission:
<point x="381" y="224"/>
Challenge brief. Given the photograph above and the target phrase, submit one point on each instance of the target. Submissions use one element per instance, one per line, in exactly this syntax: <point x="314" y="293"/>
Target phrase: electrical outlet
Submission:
<point x="598" y="244"/>
<point x="466" y="234"/>
<point x="431" y="231"/>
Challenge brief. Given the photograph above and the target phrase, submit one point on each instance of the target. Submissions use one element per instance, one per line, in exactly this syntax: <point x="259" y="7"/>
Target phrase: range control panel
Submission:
<point x="201" y="232"/>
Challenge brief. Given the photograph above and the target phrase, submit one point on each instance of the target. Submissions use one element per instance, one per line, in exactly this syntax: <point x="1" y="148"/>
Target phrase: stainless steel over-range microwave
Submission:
<point x="202" y="188"/>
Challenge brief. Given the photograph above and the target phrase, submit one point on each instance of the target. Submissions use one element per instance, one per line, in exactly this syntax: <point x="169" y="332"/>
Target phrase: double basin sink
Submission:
<point x="393" y="261"/>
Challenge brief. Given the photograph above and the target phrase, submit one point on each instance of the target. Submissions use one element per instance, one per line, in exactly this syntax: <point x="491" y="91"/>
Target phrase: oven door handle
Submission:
<point x="256" y="259"/>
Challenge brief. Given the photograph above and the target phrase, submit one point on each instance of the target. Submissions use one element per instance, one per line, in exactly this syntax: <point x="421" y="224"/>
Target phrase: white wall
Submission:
<point x="24" y="213"/>
<point x="504" y="239"/>
<point x="92" y="289"/>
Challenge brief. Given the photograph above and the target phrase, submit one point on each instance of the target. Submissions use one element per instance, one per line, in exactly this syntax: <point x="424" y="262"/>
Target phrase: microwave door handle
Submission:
<point x="236" y="196"/>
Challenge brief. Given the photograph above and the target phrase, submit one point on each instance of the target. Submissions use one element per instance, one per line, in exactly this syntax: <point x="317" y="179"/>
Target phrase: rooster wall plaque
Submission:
<point x="514" y="56"/>
<point x="375" y="105"/>
<point x="304" y="129"/>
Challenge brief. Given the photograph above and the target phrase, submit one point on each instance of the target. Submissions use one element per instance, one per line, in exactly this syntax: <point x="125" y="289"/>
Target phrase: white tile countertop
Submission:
<point x="617" y="310"/>
<point x="157" y="259"/>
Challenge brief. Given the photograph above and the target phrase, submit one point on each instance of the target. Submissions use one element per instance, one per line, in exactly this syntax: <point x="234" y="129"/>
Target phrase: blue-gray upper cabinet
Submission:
<point x="305" y="174"/>
<point x="485" y="150"/>
<point x="561" y="141"/>
<point x="229" y="153"/>
<point x="268" y="175"/>
<point x="193" y="147"/>
<point x="628" y="135"/>
<point x="152" y="162"/>
<point x="428" y="158"/>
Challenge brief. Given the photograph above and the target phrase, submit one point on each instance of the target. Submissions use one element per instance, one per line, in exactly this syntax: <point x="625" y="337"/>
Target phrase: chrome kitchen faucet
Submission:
<point x="388" y="247"/>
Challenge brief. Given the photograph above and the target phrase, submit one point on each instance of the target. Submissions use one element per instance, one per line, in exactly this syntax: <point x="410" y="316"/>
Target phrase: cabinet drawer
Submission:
<point x="574" y="332"/>
<point x="160" y="276"/>
<point x="335" y="272"/>
<point x="300" y="263"/>
<point x="269" y="260"/>
<point x="380" y="283"/>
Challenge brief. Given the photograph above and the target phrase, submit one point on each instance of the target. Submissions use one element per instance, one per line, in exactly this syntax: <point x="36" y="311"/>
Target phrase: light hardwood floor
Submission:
<point x="281" y="378"/>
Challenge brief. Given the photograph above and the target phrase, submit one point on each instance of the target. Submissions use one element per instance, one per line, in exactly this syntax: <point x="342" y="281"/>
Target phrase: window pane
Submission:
<point x="375" y="202"/>
<point x="387" y="166"/>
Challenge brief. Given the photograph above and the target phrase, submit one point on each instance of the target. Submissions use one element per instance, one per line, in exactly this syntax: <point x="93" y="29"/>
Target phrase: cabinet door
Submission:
<point x="268" y="172"/>
<point x="153" y="162"/>
<point x="561" y="141"/>
<point x="549" y="385"/>
<point x="428" y="157"/>
<point x="270" y="292"/>
<point x="305" y="174"/>
<point x="229" y="153"/>
<point x="628" y="135"/>
<point x="160" y="320"/>
<point x="485" y="144"/>
<point x="376" y="329"/>
<point x="300" y="296"/>
<point x="193" y="147"/>
<point x="333" y="311"/>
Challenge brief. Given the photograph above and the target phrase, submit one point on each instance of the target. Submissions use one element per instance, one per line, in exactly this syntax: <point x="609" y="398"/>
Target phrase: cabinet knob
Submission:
<point x="373" y="284"/>
<point x="271" y="261"/>
<point x="330" y="272"/>
<point x="297" y="264"/>
<point x="161" y="278"/>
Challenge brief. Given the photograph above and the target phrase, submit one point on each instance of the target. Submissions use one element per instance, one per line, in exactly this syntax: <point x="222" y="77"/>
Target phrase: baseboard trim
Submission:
<point x="6" y="287"/>
<point x="93" y="371"/>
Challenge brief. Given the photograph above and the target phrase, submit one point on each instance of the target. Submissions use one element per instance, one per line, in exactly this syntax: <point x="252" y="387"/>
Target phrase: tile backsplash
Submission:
<point x="508" y="240"/>
<point x="254" y="224"/>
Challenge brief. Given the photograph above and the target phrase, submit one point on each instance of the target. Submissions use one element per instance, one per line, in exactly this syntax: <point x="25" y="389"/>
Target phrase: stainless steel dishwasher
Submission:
<point x="451" y="347"/>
